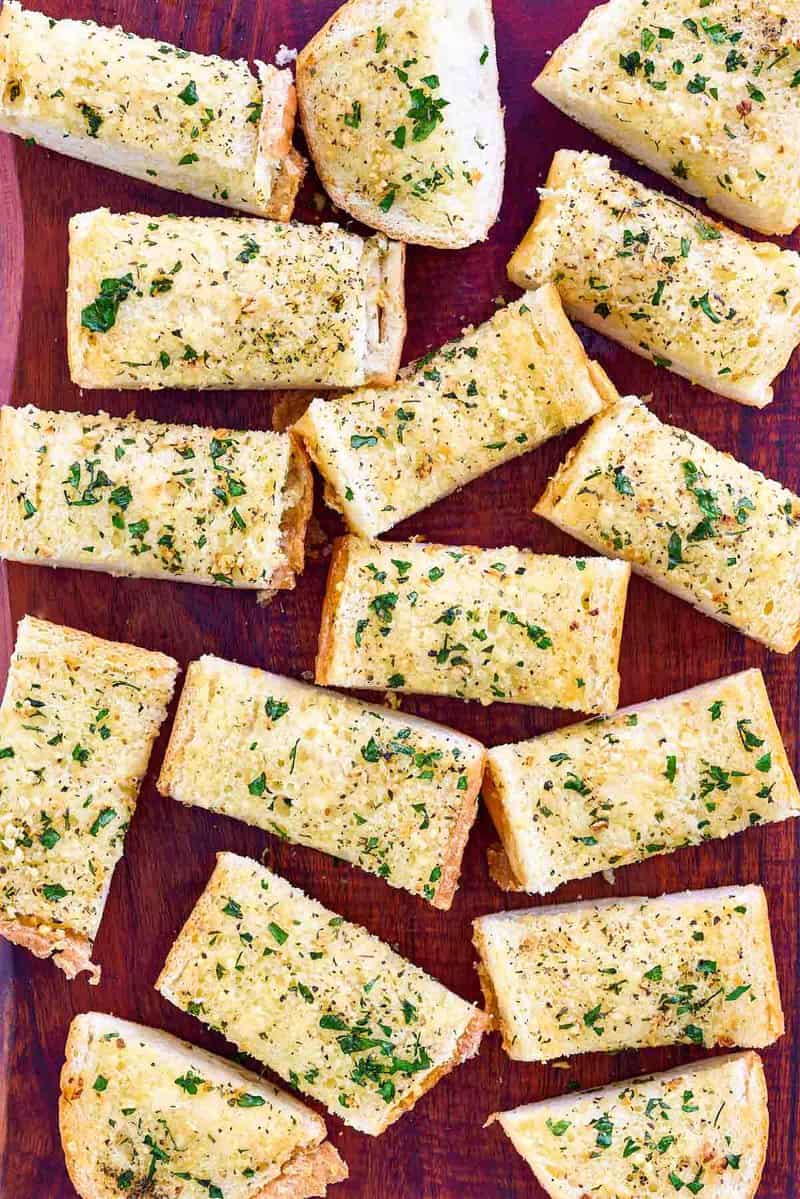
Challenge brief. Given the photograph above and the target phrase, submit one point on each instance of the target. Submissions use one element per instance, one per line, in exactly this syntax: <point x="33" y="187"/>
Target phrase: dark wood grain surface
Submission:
<point x="439" y="1151"/>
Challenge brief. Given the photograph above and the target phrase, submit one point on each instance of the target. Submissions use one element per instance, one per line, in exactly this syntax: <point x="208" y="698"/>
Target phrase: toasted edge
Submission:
<point x="384" y="351"/>
<point x="295" y="519"/>
<point x="459" y="836"/>
<point x="369" y="213"/>
<point x="326" y="649"/>
<point x="69" y="951"/>
<point x="278" y="118"/>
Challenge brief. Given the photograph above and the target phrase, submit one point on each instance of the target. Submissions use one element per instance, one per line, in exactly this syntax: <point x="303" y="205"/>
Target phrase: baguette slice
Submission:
<point x="695" y="968"/>
<point x="130" y="497"/>
<point x="194" y="123"/>
<point x="492" y="625"/>
<point x="143" y="1113"/>
<point x="688" y="94"/>
<point x="318" y="1000"/>
<point x="393" y="794"/>
<point x="497" y="392"/>
<point x="77" y="723"/>
<point x="652" y="273"/>
<point x="705" y="764"/>
<point x="703" y="1127"/>
<point x="692" y="519"/>
<point x="401" y="109"/>
<point x="196" y="302"/>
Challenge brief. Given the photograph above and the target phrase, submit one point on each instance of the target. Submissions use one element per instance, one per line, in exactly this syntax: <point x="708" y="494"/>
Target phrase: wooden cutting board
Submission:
<point x="440" y="1151"/>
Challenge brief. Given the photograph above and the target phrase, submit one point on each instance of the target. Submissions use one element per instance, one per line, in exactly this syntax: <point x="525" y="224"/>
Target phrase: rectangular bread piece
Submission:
<point x="657" y="276"/>
<point x="390" y="793"/>
<point x="706" y="99"/>
<point x="692" y="519"/>
<point x="703" y="1127"/>
<point x="140" y="1111"/>
<point x="493" y="625"/>
<point x="497" y="392"/>
<point x="318" y="1000"/>
<point x="216" y="506"/>
<point x="695" y="968"/>
<point x="194" y="123"/>
<point x="230" y="302"/>
<point x="77" y="723"/>
<point x="707" y="763"/>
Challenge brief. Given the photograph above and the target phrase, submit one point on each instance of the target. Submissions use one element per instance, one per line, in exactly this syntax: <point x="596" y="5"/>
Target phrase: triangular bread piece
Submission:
<point x="143" y="1113"/>
<point x="699" y="1130"/>
<point x="401" y="110"/>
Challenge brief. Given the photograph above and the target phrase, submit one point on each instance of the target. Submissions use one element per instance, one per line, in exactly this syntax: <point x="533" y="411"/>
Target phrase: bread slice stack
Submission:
<point x="143" y="1113"/>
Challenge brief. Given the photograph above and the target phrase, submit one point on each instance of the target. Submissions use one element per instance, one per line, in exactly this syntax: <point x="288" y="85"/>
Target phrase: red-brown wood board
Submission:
<point x="440" y="1151"/>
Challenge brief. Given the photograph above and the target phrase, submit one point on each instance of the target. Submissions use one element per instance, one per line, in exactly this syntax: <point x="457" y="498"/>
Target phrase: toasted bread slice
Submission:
<point x="194" y="123"/>
<point x="232" y="302"/>
<point x="703" y="1127"/>
<point x="77" y="723"/>
<point x="692" y="519"/>
<point x="707" y="763"/>
<point x="130" y="497"/>
<point x="319" y="1000"/>
<point x="391" y="793"/>
<point x="144" y="1113"/>
<point x="693" y="968"/>
<point x="687" y="93"/>
<point x="501" y="625"/>
<point x="655" y="275"/>
<point x="497" y="392"/>
<point x="401" y="109"/>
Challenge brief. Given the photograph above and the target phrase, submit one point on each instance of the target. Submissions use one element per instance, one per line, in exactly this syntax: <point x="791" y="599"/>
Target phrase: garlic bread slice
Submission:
<point x="142" y="1113"/>
<point x="222" y="507"/>
<point x="657" y="276"/>
<point x="195" y="123"/>
<point x="77" y="723"/>
<point x="702" y="1127"/>
<point x="500" y="625"/>
<point x="401" y="109"/>
<point x="320" y="1001"/>
<point x="695" y="968"/>
<point x="694" y="767"/>
<point x="688" y="517"/>
<point x="497" y="392"/>
<point x="707" y="99"/>
<point x="230" y="303"/>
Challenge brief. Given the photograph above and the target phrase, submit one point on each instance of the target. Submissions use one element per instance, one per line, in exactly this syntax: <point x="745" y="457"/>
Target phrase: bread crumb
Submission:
<point x="610" y="877"/>
<point x="285" y="56"/>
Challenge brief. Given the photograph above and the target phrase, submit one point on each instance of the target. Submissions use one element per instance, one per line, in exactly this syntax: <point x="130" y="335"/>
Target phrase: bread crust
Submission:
<point x="340" y="556"/>
<point x="391" y="222"/>
<point x="71" y="952"/>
